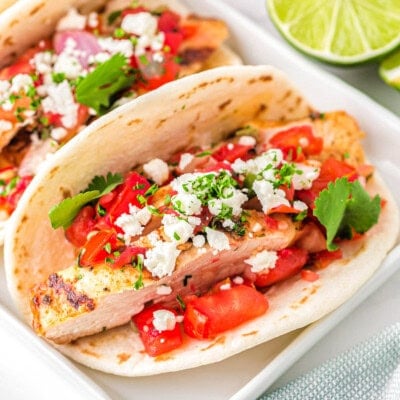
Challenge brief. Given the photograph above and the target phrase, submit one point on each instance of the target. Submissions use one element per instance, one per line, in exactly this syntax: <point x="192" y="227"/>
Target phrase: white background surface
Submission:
<point x="381" y="308"/>
<point x="378" y="311"/>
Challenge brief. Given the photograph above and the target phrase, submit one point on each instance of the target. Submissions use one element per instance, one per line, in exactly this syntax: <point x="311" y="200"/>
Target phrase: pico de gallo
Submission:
<point x="206" y="198"/>
<point x="92" y="64"/>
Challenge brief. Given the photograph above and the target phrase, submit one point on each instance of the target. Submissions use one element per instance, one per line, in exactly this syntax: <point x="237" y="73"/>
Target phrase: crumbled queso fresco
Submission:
<point x="77" y="52"/>
<point x="220" y="194"/>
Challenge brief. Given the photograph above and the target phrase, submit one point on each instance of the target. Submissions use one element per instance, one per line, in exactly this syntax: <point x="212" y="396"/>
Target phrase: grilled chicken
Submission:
<point x="79" y="301"/>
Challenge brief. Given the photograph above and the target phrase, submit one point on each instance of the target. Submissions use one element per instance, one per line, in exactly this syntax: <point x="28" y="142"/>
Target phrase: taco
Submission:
<point x="234" y="210"/>
<point x="85" y="59"/>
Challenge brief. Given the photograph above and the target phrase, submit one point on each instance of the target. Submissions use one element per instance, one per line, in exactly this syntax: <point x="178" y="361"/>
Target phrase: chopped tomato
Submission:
<point x="82" y="225"/>
<point x="173" y="40"/>
<point x="154" y="341"/>
<point x="99" y="248"/>
<point x="126" y="256"/>
<point x="216" y="312"/>
<point x="168" y="21"/>
<point x="331" y="169"/>
<point x="170" y="71"/>
<point x="325" y="257"/>
<point x="10" y="200"/>
<point x="232" y="151"/>
<point x="130" y="192"/>
<point x="298" y="137"/>
<point x="309" y="275"/>
<point x="284" y="209"/>
<point x="290" y="262"/>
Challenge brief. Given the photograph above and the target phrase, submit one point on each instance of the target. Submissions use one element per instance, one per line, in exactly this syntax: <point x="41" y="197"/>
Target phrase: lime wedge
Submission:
<point x="339" y="31"/>
<point x="389" y="70"/>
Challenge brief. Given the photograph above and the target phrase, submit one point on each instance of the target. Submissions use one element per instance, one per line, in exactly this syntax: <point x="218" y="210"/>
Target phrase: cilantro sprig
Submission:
<point x="65" y="212"/>
<point x="344" y="207"/>
<point x="97" y="88"/>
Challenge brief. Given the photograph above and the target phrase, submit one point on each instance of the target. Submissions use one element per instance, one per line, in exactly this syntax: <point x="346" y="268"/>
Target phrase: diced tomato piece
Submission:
<point x="154" y="341"/>
<point x="309" y="275"/>
<point x="331" y="169"/>
<point x="298" y="136"/>
<point x="173" y="40"/>
<point x="170" y="73"/>
<point x="99" y="248"/>
<point x="129" y="192"/>
<point x="127" y="256"/>
<point x="325" y="257"/>
<point x="232" y="151"/>
<point x="22" y="64"/>
<point x="168" y="21"/>
<point x="290" y="262"/>
<point x="82" y="225"/>
<point x="214" y="313"/>
<point x="10" y="201"/>
<point x="284" y="209"/>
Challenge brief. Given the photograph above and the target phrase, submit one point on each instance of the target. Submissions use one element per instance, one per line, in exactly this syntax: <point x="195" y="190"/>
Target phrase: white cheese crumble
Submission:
<point x="67" y="63"/>
<point x="234" y="198"/>
<point x="225" y="286"/>
<point x="217" y="240"/>
<point x="187" y="204"/>
<point x="247" y="141"/>
<point x="114" y="46"/>
<point x="199" y="241"/>
<point x="72" y="21"/>
<point x="132" y="224"/>
<point x="268" y="196"/>
<point x="60" y="100"/>
<point x="58" y="133"/>
<point x="238" y="280"/>
<point x="164" y="290"/>
<point x="185" y="160"/>
<point x="140" y="24"/>
<point x="263" y="261"/>
<point x="272" y="157"/>
<point x="157" y="170"/>
<point x="161" y="259"/>
<point x="164" y="320"/>
<point x="300" y="205"/>
<point x="21" y="82"/>
<point x="304" y="179"/>
<point x="177" y="229"/>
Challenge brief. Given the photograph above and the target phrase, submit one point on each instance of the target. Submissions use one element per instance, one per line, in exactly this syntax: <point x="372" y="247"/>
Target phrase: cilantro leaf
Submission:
<point x="105" y="184"/>
<point x="344" y="207"/>
<point x="362" y="212"/>
<point x="63" y="213"/>
<point x="330" y="207"/>
<point x="98" y="87"/>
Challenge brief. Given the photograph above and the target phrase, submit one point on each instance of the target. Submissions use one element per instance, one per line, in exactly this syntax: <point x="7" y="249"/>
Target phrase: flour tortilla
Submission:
<point x="201" y="109"/>
<point x="44" y="15"/>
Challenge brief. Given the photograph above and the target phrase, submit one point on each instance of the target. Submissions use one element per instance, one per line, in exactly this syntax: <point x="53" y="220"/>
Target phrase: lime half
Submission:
<point x="389" y="70"/>
<point x="339" y="31"/>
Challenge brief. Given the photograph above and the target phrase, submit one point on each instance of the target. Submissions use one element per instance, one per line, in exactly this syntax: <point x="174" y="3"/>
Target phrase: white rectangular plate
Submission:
<point x="248" y="374"/>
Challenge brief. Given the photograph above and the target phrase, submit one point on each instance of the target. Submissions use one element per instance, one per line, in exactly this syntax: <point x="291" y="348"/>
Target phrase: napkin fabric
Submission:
<point x="370" y="370"/>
